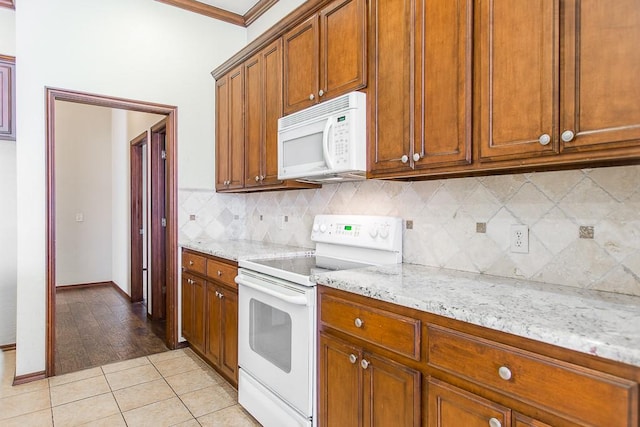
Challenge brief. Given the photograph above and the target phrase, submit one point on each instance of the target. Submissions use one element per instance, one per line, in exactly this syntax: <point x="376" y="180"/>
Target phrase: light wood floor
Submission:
<point x="97" y="325"/>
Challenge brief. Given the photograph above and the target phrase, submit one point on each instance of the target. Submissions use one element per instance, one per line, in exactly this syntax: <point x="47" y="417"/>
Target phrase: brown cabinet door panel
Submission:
<point x="272" y="109"/>
<point x="187" y="306"/>
<point x="236" y="128"/>
<point x="391" y="393"/>
<point x="600" y="90"/>
<point x="339" y="381"/>
<point x="229" y="354"/>
<point x="197" y="337"/>
<point x="518" y="78"/>
<point x="443" y="83"/>
<point x="301" y="66"/>
<point x="222" y="132"/>
<point x="214" y="325"/>
<point x="390" y="89"/>
<point x="452" y="407"/>
<point x="342" y="47"/>
<point x="253" y="107"/>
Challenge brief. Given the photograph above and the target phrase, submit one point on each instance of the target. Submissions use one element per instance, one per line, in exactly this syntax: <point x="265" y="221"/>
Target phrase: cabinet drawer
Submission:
<point x="193" y="262"/>
<point x="577" y="393"/>
<point x="222" y="272"/>
<point x="400" y="334"/>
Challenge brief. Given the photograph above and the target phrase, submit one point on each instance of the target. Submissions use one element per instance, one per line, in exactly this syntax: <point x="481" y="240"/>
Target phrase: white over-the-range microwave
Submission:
<point x="326" y="142"/>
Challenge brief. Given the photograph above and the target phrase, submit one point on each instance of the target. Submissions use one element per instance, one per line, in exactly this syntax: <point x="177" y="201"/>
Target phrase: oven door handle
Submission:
<point x="297" y="300"/>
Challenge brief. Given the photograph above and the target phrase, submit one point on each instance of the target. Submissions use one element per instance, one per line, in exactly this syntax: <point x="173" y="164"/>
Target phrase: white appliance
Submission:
<point x="277" y="314"/>
<point x="326" y="142"/>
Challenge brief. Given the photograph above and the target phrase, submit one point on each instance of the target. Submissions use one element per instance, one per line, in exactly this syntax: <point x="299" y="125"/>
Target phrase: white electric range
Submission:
<point x="277" y="340"/>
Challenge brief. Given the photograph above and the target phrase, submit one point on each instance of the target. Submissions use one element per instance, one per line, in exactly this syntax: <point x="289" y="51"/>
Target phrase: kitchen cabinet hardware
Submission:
<point x="219" y="273"/>
<point x="311" y="97"/>
<point x="416" y="157"/>
<point x="353" y="358"/>
<point x="494" y="422"/>
<point x="190" y="262"/>
<point x="364" y="363"/>
<point x="544" y="139"/>
<point x="404" y="158"/>
<point x="567" y="136"/>
<point x="320" y="92"/>
<point x="358" y="322"/>
<point x="504" y="373"/>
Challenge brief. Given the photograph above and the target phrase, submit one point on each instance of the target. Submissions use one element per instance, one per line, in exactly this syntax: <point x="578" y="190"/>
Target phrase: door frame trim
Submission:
<point x="55" y="94"/>
<point x="136" y="200"/>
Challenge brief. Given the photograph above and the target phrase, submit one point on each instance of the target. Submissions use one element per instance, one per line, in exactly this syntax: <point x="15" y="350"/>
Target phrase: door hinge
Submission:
<point x="163" y="154"/>
<point x="142" y="231"/>
<point x="164" y="222"/>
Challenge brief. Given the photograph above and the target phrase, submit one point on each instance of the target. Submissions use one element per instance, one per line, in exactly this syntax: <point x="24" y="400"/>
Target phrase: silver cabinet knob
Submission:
<point x="257" y="178"/>
<point x="358" y="322"/>
<point x="567" y="136"/>
<point x="321" y="92"/>
<point x="364" y="363"/>
<point x="219" y="273"/>
<point x="404" y="158"/>
<point x="505" y="373"/>
<point x="494" y="422"/>
<point x="311" y="97"/>
<point x="190" y="262"/>
<point x="544" y="139"/>
<point x="416" y="157"/>
<point x="353" y="358"/>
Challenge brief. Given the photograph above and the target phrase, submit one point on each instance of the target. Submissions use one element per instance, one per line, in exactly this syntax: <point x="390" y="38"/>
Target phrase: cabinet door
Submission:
<point x="339" y="382"/>
<point x="254" y="120"/>
<point x="7" y="100"/>
<point x="343" y="55"/>
<point x="187" y="307"/>
<point x="600" y="68"/>
<point x="272" y="105"/>
<point x="223" y="149"/>
<point x="391" y="38"/>
<point x="301" y="66"/>
<point x="229" y="317"/>
<point x="517" y="62"/>
<point x="236" y="128"/>
<point x="391" y="393"/>
<point x="197" y="336"/>
<point x="443" y="83"/>
<point x="213" y="319"/>
<point x="452" y="407"/>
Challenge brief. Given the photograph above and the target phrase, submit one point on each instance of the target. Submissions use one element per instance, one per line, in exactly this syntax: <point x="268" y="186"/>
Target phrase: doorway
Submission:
<point x="170" y="206"/>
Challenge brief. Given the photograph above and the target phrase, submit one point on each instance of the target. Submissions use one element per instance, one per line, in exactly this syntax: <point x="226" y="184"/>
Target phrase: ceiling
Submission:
<point x="239" y="12"/>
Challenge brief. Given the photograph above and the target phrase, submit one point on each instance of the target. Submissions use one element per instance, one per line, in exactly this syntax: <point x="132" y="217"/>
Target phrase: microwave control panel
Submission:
<point x="339" y="142"/>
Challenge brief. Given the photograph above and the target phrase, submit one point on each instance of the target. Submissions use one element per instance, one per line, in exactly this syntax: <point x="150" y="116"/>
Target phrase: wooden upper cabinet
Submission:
<point x="325" y="56"/>
<point x="421" y="85"/>
<point x="7" y="98"/>
<point x="600" y="98"/>
<point x="517" y="62"/>
<point x="263" y="108"/>
<point x="230" y="131"/>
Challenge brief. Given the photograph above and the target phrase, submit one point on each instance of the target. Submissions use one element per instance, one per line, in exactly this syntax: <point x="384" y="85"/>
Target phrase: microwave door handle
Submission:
<point x="325" y="143"/>
<point x="296" y="300"/>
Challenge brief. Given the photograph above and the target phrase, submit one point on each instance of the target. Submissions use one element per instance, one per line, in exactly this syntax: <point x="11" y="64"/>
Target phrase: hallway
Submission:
<point x="97" y="325"/>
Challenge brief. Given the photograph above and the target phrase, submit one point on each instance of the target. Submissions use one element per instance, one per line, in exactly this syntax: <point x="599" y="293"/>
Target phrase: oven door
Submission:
<point x="276" y="337"/>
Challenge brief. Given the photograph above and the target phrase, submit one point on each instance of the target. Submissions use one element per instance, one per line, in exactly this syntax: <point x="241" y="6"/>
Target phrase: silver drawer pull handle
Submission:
<point x="364" y="363"/>
<point x="358" y="322"/>
<point x="505" y="373"/>
<point x="494" y="422"/>
<point x="353" y="358"/>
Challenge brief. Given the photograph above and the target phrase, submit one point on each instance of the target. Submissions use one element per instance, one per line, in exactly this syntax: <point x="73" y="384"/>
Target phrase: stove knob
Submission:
<point x="323" y="228"/>
<point x="384" y="231"/>
<point x="316" y="227"/>
<point x="373" y="231"/>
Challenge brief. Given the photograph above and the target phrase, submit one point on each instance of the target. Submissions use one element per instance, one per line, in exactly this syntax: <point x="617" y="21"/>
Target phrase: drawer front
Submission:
<point x="580" y="394"/>
<point x="193" y="262"/>
<point x="222" y="272"/>
<point x="400" y="334"/>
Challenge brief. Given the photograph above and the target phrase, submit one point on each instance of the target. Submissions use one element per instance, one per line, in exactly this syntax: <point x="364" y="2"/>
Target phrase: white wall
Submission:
<point x="8" y="220"/>
<point x="135" y="49"/>
<point x="83" y="187"/>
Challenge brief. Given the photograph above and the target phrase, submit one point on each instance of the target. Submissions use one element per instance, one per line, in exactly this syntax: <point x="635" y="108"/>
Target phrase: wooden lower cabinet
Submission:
<point x="210" y="311"/>
<point x="361" y="388"/>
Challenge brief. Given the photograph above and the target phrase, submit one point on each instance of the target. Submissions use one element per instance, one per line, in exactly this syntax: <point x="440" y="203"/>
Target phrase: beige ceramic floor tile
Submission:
<point x="115" y="420"/>
<point x="207" y="400"/>
<point x="165" y="413"/>
<point x="85" y="411"/>
<point x="176" y="365"/>
<point x="190" y="423"/>
<point x="7" y="390"/>
<point x="233" y="416"/>
<point x="191" y="381"/>
<point x="131" y="377"/>
<point x="127" y="364"/>
<point x="39" y="418"/>
<point x="78" y="390"/>
<point x="166" y="355"/>
<point x="24" y="403"/>
<point x="75" y="376"/>
<point x="143" y="394"/>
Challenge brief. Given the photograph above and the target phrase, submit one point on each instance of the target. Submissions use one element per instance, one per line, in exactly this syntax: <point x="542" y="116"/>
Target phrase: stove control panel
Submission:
<point x="365" y="231"/>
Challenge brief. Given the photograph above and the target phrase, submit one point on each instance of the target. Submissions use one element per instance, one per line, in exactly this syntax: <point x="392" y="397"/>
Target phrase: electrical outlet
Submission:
<point x="520" y="239"/>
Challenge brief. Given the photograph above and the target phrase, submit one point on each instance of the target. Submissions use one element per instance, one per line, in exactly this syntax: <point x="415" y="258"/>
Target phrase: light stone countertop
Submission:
<point x="597" y="323"/>
<point x="236" y="250"/>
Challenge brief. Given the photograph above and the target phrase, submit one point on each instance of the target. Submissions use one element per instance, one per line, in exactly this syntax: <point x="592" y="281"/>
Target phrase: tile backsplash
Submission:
<point x="584" y="225"/>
